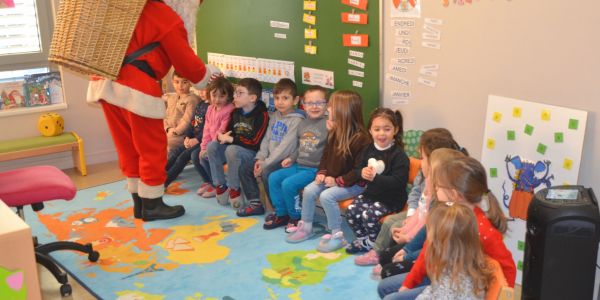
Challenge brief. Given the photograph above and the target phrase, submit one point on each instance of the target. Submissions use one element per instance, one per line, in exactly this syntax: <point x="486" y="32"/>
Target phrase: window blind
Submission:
<point x="19" y="29"/>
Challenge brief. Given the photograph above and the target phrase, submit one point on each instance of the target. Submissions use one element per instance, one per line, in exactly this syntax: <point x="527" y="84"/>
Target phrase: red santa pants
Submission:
<point x="141" y="144"/>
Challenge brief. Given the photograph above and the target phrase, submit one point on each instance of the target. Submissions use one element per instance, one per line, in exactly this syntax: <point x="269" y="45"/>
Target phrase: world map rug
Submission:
<point x="209" y="253"/>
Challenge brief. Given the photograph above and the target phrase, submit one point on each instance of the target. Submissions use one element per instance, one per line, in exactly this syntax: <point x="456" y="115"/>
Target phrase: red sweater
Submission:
<point x="493" y="246"/>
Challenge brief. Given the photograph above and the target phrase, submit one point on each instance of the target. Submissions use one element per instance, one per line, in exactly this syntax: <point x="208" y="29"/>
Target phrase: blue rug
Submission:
<point x="209" y="253"/>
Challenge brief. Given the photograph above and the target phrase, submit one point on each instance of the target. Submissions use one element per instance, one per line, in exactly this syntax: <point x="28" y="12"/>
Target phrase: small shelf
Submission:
<point x="29" y="110"/>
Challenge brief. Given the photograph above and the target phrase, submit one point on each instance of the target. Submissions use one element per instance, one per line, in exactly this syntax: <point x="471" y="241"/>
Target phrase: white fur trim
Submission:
<point x="132" y="184"/>
<point x="187" y="11"/>
<point x="210" y="70"/>
<point x="150" y="192"/>
<point x="123" y="96"/>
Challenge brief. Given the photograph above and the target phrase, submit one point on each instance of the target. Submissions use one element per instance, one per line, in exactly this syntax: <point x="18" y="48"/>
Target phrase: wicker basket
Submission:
<point x="91" y="36"/>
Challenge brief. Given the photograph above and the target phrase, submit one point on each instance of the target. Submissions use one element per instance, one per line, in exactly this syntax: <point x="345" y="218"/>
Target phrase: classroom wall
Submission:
<point x="536" y="50"/>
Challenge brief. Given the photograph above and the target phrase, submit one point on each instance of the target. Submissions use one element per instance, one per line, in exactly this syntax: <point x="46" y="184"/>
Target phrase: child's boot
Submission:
<point x="332" y="242"/>
<point x="302" y="233"/>
<point x="235" y="198"/>
<point x="156" y="209"/>
<point x="222" y="194"/>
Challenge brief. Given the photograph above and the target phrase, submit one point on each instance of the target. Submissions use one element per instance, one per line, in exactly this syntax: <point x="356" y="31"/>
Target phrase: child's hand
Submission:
<point x="319" y="179"/>
<point x="257" y="168"/>
<point x="192" y="142"/>
<point x="399" y="256"/>
<point x="286" y="162"/>
<point x="330" y="181"/>
<point x="186" y="143"/>
<point x="402" y="289"/>
<point x="203" y="154"/>
<point x="368" y="173"/>
<point x="225" y="138"/>
<point x="398" y="236"/>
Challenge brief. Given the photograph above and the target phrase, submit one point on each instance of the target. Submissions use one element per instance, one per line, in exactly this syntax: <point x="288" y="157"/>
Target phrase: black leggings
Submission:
<point x="390" y="268"/>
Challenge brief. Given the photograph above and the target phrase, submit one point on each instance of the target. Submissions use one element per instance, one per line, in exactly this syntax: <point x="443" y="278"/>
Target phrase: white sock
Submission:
<point x="307" y="226"/>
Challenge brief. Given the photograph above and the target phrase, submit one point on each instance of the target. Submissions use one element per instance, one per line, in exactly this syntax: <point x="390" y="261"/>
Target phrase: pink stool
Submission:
<point x="34" y="186"/>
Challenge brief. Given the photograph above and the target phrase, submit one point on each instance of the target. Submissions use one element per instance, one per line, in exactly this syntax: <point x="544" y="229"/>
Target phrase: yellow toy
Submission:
<point x="51" y="124"/>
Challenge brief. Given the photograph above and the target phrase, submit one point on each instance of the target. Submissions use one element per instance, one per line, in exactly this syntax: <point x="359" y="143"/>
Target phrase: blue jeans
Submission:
<point x="248" y="181"/>
<point x="201" y="165"/>
<point x="284" y="185"/>
<point x="388" y="288"/>
<point x="234" y="155"/>
<point x="177" y="160"/>
<point x="329" y="197"/>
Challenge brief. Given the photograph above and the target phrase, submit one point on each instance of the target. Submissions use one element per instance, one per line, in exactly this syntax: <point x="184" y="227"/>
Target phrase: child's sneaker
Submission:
<point x="358" y="246"/>
<point x="332" y="242"/>
<point x="368" y="259"/>
<point x="235" y="198"/>
<point x="292" y="225"/>
<point x="377" y="270"/>
<point x="299" y="235"/>
<point x="203" y="188"/>
<point x="276" y="222"/>
<point x="222" y="195"/>
<point x="251" y="210"/>
<point x="210" y="192"/>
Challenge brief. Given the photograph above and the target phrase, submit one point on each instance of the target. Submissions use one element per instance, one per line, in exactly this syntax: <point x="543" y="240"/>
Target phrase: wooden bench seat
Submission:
<point x="42" y="145"/>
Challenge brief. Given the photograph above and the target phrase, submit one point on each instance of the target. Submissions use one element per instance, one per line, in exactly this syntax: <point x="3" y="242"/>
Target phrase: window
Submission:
<point x="25" y="34"/>
<point x="27" y="83"/>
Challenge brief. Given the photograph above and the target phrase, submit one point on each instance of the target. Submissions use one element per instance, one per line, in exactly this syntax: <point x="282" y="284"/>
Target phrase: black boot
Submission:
<point x="156" y="209"/>
<point x="137" y="205"/>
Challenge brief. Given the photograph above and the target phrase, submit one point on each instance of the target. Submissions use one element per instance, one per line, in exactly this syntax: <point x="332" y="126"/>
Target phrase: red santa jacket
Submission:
<point x="136" y="91"/>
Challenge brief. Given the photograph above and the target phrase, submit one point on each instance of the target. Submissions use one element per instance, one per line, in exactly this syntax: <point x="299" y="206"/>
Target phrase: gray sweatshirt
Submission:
<point x="312" y="137"/>
<point x="281" y="139"/>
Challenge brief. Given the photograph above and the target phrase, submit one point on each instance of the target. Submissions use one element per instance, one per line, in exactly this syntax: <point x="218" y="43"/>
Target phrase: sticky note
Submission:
<point x="568" y="164"/>
<point x="510" y="135"/>
<point x="545" y="115"/>
<point x="493" y="172"/>
<point x="528" y="129"/>
<point x="520" y="266"/>
<point x="310" y="33"/>
<point x="497" y="117"/>
<point x="516" y="112"/>
<point x="573" y="124"/>
<point x="310" y="5"/>
<point x="541" y="148"/>
<point x="310" y="49"/>
<point x="521" y="245"/>
<point x="491" y="144"/>
<point x="309" y="19"/>
<point x="559" y="137"/>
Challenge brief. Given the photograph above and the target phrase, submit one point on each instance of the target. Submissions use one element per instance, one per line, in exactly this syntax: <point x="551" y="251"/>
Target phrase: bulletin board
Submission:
<point x="453" y="58"/>
<point x="243" y="28"/>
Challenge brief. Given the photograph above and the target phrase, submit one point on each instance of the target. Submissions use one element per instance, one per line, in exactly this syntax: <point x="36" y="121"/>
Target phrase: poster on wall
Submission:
<point x="529" y="146"/>
<point x="265" y="70"/>
<point x="312" y="76"/>
<point x="405" y="8"/>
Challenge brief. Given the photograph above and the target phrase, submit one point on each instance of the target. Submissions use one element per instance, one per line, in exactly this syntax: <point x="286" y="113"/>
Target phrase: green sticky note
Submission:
<point x="559" y="137"/>
<point x="493" y="172"/>
<point x="541" y="148"/>
<point x="510" y="135"/>
<point x="521" y="245"/>
<point x="573" y="124"/>
<point x="520" y="266"/>
<point x="528" y="129"/>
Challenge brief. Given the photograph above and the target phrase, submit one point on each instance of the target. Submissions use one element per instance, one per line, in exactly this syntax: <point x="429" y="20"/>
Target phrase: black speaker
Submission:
<point x="561" y="244"/>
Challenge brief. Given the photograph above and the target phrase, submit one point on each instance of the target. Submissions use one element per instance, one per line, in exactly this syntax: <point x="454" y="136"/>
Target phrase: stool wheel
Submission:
<point x="65" y="290"/>
<point x="94" y="256"/>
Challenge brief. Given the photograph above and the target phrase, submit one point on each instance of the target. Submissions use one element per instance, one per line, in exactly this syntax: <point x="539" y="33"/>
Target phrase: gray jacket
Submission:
<point x="281" y="139"/>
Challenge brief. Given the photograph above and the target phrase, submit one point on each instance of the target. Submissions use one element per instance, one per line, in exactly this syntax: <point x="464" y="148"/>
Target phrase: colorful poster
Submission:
<point x="7" y="3"/>
<point x="529" y="146"/>
<point x="405" y="8"/>
<point x="265" y="70"/>
<point x="323" y="78"/>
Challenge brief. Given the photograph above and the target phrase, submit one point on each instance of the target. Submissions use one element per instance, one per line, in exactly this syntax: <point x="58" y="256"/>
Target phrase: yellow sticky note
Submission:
<point x="310" y="49"/>
<point x="310" y="19"/>
<point x="497" y="117"/>
<point x="491" y="144"/>
<point x="568" y="164"/>
<point x="545" y="115"/>
<point x="310" y="5"/>
<point x="516" y="112"/>
<point x="566" y="183"/>
<point x="310" y="33"/>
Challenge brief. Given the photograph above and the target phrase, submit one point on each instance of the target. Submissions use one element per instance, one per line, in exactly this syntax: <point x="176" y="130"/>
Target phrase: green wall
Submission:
<point x="242" y="27"/>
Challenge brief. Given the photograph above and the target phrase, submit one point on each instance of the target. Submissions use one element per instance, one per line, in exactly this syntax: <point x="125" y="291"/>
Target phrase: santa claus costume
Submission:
<point x="133" y="106"/>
